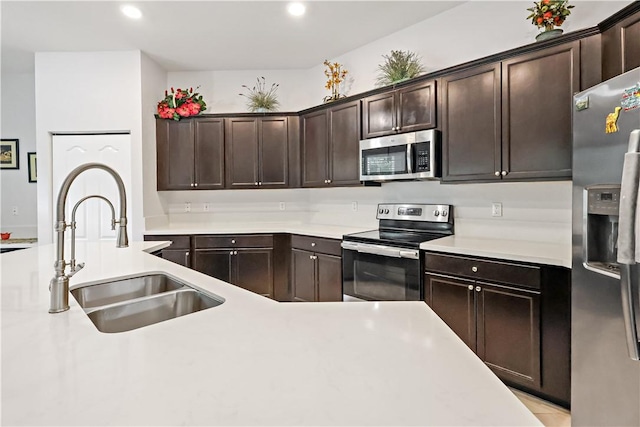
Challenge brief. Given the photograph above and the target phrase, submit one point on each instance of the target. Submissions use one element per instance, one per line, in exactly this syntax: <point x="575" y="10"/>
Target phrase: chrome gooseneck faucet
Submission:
<point x="59" y="285"/>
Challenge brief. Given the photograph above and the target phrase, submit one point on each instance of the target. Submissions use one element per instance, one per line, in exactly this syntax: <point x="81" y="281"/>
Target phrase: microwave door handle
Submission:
<point x="410" y="158"/>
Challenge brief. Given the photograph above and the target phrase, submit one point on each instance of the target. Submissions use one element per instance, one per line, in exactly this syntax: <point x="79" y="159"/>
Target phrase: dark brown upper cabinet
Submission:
<point x="190" y="154"/>
<point x="621" y="46"/>
<point x="257" y="153"/>
<point x="511" y="120"/>
<point x="407" y="109"/>
<point x="330" y="146"/>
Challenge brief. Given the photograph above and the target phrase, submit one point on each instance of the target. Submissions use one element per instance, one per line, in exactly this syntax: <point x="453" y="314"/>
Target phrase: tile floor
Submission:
<point x="549" y="414"/>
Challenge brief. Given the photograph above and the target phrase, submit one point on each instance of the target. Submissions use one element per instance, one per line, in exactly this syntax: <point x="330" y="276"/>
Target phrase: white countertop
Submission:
<point x="557" y="254"/>
<point x="249" y="361"/>
<point x="308" y="229"/>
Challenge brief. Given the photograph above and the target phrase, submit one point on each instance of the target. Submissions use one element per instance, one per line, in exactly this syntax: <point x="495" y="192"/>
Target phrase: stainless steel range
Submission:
<point x="385" y="264"/>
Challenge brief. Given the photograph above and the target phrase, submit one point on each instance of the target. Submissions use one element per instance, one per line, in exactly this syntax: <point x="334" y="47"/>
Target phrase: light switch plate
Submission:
<point x="496" y="209"/>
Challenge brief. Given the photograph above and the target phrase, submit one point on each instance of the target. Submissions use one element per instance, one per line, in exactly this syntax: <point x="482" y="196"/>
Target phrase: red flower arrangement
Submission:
<point x="180" y="103"/>
<point x="549" y="13"/>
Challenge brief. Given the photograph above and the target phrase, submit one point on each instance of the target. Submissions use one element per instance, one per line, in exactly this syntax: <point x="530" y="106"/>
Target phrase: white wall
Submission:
<point x="87" y="92"/>
<point x="18" y="122"/>
<point x="221" y="89"/>
<point x="470" y="31"/>
<point x="154" y="79"/>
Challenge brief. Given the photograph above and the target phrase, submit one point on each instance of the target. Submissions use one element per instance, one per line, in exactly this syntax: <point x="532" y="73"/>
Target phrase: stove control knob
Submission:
<point x="436" y="213"/>
<point x="380" y="211"/>
<point x="444" y="213"/>
<point x="386" y="211"/>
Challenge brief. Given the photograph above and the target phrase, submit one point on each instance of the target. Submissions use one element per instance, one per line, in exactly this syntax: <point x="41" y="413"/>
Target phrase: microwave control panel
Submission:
<point x="422" y="157"/>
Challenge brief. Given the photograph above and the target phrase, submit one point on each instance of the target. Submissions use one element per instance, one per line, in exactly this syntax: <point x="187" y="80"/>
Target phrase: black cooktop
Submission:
<point x="398" y="238"/>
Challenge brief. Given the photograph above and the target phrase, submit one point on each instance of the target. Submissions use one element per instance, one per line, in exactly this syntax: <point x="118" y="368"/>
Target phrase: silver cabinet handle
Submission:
<point x="233" y="241"/>
<point x="497" y="173"/>
<point x="259" y="182"/>
<point x="470" y="287"/>
<point x="313" y="244"/>
<point x="478" y="288"/>
<point x="195" y="185"/>
<point x="231" y="253"/>
<point x="328" y="181"/>
<point x="504" y="173"/>
<point x="192" y="184"/>
<point x="474" y="269"/>
<point x="186" y="258"/>
<point x="398" y="128"/>
<point x="256" y="183"/>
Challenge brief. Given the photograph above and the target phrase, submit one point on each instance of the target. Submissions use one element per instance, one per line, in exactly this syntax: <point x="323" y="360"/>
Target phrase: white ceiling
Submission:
<point x="205" y="35"/>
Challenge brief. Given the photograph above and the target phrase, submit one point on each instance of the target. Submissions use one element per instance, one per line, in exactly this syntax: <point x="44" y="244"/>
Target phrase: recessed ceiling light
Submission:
<point x="296" y="9"/>
<point x="132" y="12"/>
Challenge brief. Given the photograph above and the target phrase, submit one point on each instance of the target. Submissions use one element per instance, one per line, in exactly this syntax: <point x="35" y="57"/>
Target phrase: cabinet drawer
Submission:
<point x="317" y="244"/>
<point x="494" y="271"/>
<point x="234" y="241"/>
<point x="178" y="242"/>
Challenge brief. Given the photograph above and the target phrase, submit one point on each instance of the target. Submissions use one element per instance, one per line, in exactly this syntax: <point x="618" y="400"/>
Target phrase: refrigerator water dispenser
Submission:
<point x="601" y="228"/>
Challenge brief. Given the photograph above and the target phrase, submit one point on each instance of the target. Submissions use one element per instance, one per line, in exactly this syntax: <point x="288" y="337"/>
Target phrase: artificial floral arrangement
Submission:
<point x="180" y="103"/>
<point x="400" y="65"/>
<point x="336" y="75"/>
<point x="549" y="13"/>
<point x="261" y="99"/>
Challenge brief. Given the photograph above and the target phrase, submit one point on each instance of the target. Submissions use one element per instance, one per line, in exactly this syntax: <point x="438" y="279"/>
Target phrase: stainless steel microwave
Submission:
<point x="414" y="155"/>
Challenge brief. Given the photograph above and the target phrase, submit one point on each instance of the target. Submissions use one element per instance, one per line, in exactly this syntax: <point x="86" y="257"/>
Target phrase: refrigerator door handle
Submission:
<point x="629" y="311"/>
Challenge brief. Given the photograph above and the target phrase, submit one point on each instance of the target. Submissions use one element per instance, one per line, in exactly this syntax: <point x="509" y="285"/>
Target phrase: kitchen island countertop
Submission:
<point x="249" y="361"/>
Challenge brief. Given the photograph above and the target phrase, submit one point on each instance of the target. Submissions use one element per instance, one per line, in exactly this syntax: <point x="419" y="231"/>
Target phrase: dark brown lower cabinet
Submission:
<point x="518" y="323"/>
<point x="245" y="261"/>
<point x="316" y="269"/>
<point x="179" y="251"/>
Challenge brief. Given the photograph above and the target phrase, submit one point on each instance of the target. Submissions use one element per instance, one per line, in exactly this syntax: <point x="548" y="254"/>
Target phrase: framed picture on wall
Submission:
<point x="9" y="154"/>
<point x="33" y="170"/>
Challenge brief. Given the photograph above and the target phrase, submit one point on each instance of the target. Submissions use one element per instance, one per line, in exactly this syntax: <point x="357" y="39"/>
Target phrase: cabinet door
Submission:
<point x="303" y="275"/>
<point x="213" y="262"/>
<point x="621" y="47"/>
<point x="253" y="270"/>
<point x="379" y="115"/>
<point x="471" y="127"/>
<point x="209" y="154"/>
<point x="509" y="332"/>
<point x="241" y="145"/>
<point x="344" y="137"/>
<point x="329" y="277"/>
<point x="174" y="150"/>
<point x="537" y="95"/>
<point x="453" y="300"/>
<point x="417" y="107"/>
<point x="274" y="156"/>
<point x="179" y="256"/>
<point x="315" y="143"/>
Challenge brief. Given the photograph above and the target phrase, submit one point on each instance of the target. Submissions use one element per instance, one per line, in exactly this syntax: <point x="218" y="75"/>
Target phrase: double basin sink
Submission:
<point x="131" y="303"/>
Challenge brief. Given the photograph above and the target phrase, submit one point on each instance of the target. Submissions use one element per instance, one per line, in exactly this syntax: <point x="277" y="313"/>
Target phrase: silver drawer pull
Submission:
<point x="470" y="287"/>
<point x="474" y="269"/>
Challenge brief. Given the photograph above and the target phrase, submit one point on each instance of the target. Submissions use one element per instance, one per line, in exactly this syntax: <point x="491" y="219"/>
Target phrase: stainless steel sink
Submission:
<point x="127" y="304"/>
<point x="124" y="289"/>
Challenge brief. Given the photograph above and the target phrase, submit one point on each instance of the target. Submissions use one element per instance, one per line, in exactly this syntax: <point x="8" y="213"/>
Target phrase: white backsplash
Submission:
<point x="536" y="211"/>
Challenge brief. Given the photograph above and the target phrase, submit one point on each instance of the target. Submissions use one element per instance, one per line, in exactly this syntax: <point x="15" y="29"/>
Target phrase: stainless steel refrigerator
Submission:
<point x="605" y="372"/>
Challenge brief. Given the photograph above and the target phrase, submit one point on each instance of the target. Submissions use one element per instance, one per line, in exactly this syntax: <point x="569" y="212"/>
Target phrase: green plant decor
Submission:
<point x="400" y="65"/>
<point x="260" y="98"/>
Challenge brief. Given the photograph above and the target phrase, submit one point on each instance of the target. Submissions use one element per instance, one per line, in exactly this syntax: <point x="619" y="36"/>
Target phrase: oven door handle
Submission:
<point x="387" y="251"/>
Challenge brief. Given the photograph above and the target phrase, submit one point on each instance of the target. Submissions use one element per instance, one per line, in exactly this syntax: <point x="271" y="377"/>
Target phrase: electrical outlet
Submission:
<point x="496" y="209"/>
<point x="14" y="210"/>
<point x="187" y="207"/>
<point x="282" y="206"/>
<point x="354" y="206"/>
<point x="206" y="207"/>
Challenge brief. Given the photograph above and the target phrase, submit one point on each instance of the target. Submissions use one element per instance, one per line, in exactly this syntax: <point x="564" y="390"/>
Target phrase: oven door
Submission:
<point x="380" y="273"/>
